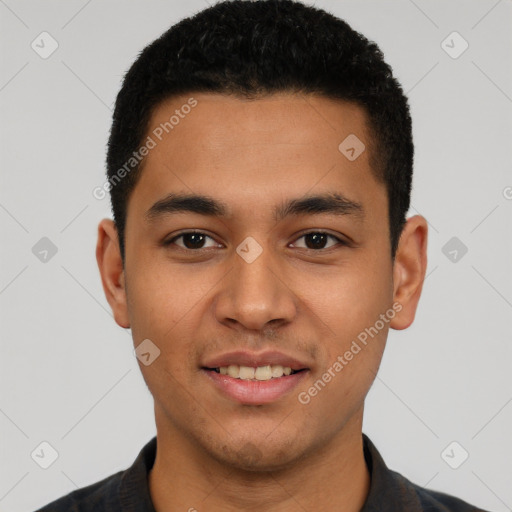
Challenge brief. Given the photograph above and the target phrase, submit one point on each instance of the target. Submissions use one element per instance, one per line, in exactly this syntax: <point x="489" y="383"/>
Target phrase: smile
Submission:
<point x="254" y="386"/>
<point x="260" y="373"/>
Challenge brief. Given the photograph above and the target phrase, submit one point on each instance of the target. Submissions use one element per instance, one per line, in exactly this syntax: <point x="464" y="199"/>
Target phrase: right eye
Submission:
<point x="191" y="240"/>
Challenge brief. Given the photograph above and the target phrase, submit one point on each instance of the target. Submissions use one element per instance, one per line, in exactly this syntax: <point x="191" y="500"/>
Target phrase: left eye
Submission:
<point x="315" y="240"/>
<point x="318" y="239"/>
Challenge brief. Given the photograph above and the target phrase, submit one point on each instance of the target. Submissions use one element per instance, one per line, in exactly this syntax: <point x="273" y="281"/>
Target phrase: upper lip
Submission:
<point x="255" y="359"/>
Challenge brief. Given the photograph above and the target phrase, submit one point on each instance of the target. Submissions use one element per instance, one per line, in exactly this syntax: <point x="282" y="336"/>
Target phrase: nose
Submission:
<point x="255" y="295"/>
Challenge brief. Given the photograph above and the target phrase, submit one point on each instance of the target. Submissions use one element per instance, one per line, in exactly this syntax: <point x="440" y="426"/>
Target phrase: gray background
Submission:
<point x="68" y="374"/>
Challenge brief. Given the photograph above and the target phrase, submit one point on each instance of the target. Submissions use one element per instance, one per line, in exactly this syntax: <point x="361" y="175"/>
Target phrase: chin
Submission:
<point x="257" y="456"/>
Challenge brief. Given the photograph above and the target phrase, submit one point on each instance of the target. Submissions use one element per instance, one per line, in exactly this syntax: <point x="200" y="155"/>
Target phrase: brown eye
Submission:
<point x="193" y="240"/>
<point x="317" y="240"/>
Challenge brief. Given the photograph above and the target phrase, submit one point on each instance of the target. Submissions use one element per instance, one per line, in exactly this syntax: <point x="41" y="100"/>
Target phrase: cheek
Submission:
<point x="166" y="305"/>
<point x="351" y="304"/>
<point x="351" y="296"/>
<point x="162" y="298"/>
<point x="339" y="388"/>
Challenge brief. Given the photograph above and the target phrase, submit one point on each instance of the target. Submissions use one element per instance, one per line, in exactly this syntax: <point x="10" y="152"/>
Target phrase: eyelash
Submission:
<point x="319" y="232"/>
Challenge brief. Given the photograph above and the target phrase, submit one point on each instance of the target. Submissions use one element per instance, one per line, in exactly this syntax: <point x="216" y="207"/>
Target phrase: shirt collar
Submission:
<point x="134" y="485"/>
<point x="388" y="490"/>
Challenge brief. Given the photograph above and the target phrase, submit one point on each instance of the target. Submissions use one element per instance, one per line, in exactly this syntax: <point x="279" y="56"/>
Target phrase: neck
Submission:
<point x="186" y="477"/>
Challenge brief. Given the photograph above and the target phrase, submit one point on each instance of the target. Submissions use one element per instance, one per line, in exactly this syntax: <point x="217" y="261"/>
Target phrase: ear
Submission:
<point x="409" y="270"/>
<point x="110" y="263"/>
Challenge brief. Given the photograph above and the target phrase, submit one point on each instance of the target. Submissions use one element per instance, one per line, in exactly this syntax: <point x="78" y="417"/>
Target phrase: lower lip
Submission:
<point x="255" y="392"/>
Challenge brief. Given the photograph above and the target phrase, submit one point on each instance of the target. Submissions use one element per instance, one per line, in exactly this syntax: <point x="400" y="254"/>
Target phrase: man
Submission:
<point x="260" y="167"/>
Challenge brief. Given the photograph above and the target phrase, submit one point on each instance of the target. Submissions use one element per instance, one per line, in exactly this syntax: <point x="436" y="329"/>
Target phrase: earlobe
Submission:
<point x="110" y="264"/>
<point x="409" y="270"/>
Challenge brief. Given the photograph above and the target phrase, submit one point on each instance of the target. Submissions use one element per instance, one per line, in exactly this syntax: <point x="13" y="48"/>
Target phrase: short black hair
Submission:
<point x="251" y="49"/>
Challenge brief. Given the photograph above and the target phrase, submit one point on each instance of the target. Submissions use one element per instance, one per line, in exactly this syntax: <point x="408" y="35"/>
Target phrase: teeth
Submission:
<point x="277" y="371"/>
<point x="263" y="373"/>
<point x="246" y="373"/>
<point x="260" y="373"/>
<point x="234" y="371"/>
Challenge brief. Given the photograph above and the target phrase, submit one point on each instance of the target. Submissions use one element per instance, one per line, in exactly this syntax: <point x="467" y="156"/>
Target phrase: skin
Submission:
<point x="213" y="453"/>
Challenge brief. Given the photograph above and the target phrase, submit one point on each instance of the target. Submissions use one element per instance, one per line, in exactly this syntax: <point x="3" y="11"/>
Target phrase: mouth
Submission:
<point x="254" y="379"/>
<point x="260" y="373"/>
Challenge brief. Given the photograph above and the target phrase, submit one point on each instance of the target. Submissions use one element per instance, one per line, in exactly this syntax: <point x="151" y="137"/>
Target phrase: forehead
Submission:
<point x="267" y="147"/>
<point x="220" y="122"/>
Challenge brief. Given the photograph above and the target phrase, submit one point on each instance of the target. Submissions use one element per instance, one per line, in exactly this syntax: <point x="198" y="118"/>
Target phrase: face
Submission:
<point x="283" y="260"/>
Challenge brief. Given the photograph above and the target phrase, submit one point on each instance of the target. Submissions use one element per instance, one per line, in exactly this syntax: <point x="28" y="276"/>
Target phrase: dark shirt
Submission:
<point x="129" y="490"/>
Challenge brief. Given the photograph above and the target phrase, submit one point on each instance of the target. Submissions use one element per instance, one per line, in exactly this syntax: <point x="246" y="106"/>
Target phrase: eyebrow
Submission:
<point x="328" y="203"/>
